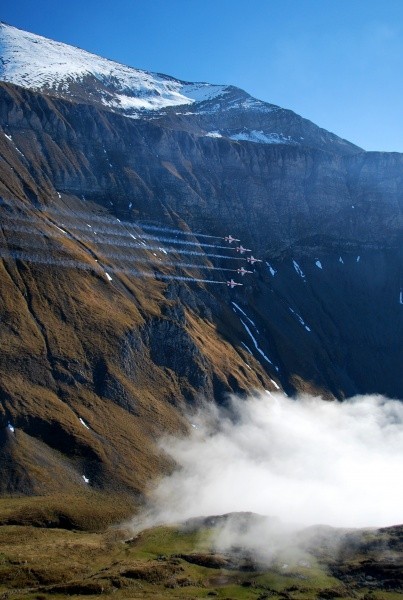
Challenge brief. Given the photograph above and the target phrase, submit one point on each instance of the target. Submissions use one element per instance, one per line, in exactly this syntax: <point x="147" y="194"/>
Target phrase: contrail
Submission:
<point x="32" y="231"/>
<point x="111" y="220"/>
<point x="46" y="260"/>
<point x="128" y="258"/>
<point x="177" y="231"/>
<point x="144" y="226"/>
<point x="118" y="242"/>
<point x="74" y="264"/>
<point x="120" y="233"/>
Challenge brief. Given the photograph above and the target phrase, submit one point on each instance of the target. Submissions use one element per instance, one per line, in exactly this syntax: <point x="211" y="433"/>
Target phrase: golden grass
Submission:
<point x="226" y="360"/>
<point x="88" y="511"/>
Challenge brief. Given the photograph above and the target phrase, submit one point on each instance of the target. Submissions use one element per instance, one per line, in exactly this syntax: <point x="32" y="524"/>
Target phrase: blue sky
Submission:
<point x="336" y="62"/>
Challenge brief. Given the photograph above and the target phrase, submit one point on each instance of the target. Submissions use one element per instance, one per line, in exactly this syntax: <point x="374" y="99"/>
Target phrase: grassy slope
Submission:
<point x="164" y="562"/>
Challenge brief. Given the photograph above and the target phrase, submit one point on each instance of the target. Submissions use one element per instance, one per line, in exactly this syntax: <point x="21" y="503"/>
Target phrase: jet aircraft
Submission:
<point x="243" y="271"/>
<point x="231" y="283"/>
<point x="252" y="260"/>
<point x="242" y="250"/>
<point x="230" y="239"/>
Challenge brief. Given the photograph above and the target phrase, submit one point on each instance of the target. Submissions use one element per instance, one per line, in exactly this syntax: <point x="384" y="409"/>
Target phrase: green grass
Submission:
<point x="41" y="563"/>
<point x="158" y="541"/>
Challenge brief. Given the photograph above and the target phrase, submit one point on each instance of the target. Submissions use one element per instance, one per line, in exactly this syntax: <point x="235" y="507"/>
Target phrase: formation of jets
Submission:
<point x="250" y="259"/>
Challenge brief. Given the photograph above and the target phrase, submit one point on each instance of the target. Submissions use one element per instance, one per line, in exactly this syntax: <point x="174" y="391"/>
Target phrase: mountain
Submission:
<point x="40" y="64"/>
<point x="104" y="347"/>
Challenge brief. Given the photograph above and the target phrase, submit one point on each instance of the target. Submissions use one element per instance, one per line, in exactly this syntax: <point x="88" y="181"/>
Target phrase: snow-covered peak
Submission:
<point x="56" y="69"/>
<point x="38" y="63"/>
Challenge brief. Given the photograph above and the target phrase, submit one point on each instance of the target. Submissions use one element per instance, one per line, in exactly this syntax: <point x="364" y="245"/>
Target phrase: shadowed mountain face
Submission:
<point x="84" y="339"/>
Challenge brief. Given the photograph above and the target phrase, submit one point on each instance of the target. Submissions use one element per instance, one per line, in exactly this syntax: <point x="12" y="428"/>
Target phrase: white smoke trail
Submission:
<point x="31" y="257"/>
<point x="178" y="231"/>
<point x="154" y="238"/>
<point x="108" y="231"/>
<point x="109" y="221"/>
<point x="130" y="224"/>
<point x="108" y="242"/>
<point x="306" y="461"/>
<point x="160" y="260"/>
<point x="75" y="264"/>
<point x="31" y="230"/>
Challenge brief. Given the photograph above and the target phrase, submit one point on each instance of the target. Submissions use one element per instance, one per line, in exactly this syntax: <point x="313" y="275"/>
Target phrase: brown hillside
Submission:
<point x="124" y="356"/>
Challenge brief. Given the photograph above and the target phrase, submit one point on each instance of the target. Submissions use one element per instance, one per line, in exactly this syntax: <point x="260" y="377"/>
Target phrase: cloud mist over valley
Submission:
<point x="300" y="463"/>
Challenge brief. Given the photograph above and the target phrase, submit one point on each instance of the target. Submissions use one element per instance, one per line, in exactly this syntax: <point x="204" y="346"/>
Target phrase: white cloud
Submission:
<point x="305" y="461"/>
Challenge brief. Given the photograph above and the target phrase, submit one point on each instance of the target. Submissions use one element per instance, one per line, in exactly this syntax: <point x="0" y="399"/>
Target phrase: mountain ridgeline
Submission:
<point x="104" y="347"/>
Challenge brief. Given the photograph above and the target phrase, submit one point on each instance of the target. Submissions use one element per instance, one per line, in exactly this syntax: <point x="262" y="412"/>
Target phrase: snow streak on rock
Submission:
<point x="298" y="269"/>
<point x="255" y="342"/>
<point x="272" y="271"/>
<point x="300" y="319"/>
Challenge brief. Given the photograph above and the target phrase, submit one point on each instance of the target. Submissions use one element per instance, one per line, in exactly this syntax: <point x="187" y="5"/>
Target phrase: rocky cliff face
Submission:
<point x="94" y="367"/>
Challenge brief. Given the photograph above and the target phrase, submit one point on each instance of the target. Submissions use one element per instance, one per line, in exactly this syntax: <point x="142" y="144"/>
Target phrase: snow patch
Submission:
<point x="10" y="428"/>
<point x="260" y="137"/>
<point x="86" y="480"/>
<point x="298" y="269"/>
<point x="202" y="92"/>
<point x="272" y="271"/>
<point x="401" y="297"/>
<point x="341" y="260"/>
<point x="214" y="134"/>
<point x="19" y="151"/>
<point x="11" y="140"/>
<point x="83" y="422"/>
<point x="358" y="258"/>
<point x="318" y="264"/>
<point x="275" y="384"/>
<point x="109" y="278"/>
